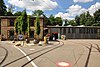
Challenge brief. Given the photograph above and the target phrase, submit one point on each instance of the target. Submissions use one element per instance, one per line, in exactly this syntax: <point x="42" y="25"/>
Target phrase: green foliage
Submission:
<point x="24" y="21"/>
<point x="84" y="19"/>
<point x="8" y="14"/>
<point x="89" y="19"/>
<point x="18" y="25"/>
<point x="52" y="20"/>
<point x="11" y="8"/>
<point x="46" y="21"/>
<point x="21" y="23"/>
<point x="97" y="17"/>
<point x="39" y="12"/>
<point x="2" y="8"/>
<point x="18" y="13"/>
<point x="66" y="22"/>
<point x="58" y="21"/>
<point x="10" y="11"/>
<point x="77" y="19"/>
<point x="72" y="22"/>
<point x="37" y="25"/>
<point x="28" y="25"/>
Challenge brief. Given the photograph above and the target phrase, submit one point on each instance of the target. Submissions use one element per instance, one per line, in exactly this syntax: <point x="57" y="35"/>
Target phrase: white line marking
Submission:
<point x="26" y="56"/>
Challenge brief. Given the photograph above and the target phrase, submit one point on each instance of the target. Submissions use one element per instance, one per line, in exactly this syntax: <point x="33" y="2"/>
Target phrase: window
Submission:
<point x="73" y="30"/>
<point x="95" y="31"/>
<point x="92" y="29"/>
<point x="31" y="22"/>
<point x="69" y="30"/>
<point x="80" y="30"/>
<point x="11" y="22"/>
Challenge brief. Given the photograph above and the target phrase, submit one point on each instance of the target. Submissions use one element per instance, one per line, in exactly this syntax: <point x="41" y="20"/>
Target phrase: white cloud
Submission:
<point x="94" y="7"/>
<point x="71" y="12"/>
<point x="34" y="4"/>
<point x="62" y="15"/>
<point x="74" y="10"/>
<point x="13" y="8"/>
<point x="84" y="1"/>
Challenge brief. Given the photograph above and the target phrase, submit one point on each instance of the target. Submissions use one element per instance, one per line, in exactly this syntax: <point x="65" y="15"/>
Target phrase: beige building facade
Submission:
<point x="8" y="29"/>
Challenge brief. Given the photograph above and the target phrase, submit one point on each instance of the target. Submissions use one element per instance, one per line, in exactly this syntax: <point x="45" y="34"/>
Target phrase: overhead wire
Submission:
<point x="54" y="9"/>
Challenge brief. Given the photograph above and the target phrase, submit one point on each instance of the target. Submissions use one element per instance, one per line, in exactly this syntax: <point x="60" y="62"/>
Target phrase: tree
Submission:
<point x="66" y="22"/>
<point x="58" y="20"/>
<point x="21" y="23"/>
<point x="18" y="13"/>
<point x="39" y="12"/>
<point x="52" y="20"/>
<point x="2" y="8"/>
<point x="28" y="25"/>
<point x="10" y="10"/>
<point x="97" y="17"/>
<point x="46" y="20"/>
<point x="89" y="19"/>
<point x="77" y="19"/>
<point x="86" y="19"/>
<point x="72" y="22"/>
<point x="18" y="25"/>
<point x="9" y="14"/>
<point x="82" y="19"/>
<point x="24" y="21"/>
<point x="37" y="26"/>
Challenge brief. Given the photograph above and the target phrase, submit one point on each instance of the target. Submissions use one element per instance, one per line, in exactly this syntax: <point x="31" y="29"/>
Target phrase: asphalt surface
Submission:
<point x="78" y="53"/>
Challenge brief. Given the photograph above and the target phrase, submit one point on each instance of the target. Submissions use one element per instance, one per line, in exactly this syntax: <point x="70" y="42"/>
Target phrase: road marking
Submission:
<point x="63" y="64"/>
<point x="33" y="64"/>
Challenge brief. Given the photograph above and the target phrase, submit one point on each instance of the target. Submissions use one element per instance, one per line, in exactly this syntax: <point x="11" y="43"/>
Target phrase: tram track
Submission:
<point x="6" y="54"/>
<point x="57" y="46"/>
<point x="90" y="47"/>
<point x="47" y="49"/>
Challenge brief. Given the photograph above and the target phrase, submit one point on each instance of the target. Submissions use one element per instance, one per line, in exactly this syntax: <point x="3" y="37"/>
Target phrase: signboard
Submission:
<point x="20" y="37"/>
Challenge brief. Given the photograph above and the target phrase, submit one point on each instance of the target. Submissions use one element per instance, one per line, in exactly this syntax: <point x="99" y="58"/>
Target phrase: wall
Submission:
<point x="5" y="28"/>
<point x="77" y="32"/>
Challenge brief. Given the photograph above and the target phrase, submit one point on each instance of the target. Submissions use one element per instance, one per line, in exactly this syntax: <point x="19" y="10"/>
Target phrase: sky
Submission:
<point x="67" y="9"/>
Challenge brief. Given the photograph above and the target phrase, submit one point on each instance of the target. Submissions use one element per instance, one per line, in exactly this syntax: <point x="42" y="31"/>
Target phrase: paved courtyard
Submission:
<point x="76" y="52"/>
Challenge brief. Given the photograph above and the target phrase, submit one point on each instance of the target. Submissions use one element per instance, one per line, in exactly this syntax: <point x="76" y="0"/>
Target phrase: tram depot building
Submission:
<point x="8" y="29"/>
<point x="71" y="32"/>
<point x="76" y="32"/>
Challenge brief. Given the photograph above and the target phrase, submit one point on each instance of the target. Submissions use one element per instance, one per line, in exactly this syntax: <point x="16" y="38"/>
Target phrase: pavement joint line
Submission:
<point x="33" y="64"/>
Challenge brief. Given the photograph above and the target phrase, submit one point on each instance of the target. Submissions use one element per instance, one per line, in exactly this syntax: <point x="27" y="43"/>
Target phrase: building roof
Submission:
<point x="8" y="17"/>
<point x="73" y="26"/>
<point x="4" y="17"/>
